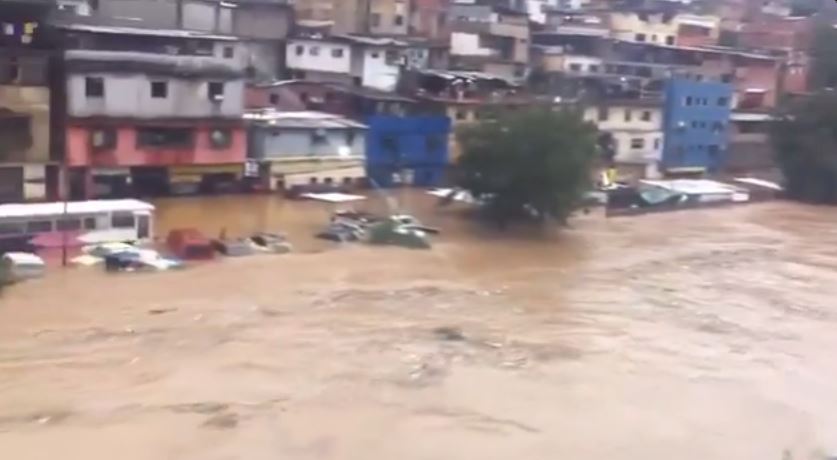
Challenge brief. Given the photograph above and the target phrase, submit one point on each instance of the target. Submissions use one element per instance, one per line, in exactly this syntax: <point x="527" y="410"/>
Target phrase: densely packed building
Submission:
<point x="106" y="98"/>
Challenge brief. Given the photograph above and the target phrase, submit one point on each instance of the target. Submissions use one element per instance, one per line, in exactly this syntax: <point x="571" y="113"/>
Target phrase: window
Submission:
<point x="603" y="114"/>
<point x="318" y="137"/>
<point x="670" y="40"/>
<point x="215" y="91"/>
<point x="575" y="67"/>
<point x="159" y="90"/>
<point x="89" y="223"/>
<point x="314" y="51"/>
<point x="375" y="55"/>
<point x="299" y="50"/>
<point x="122" y="220"/>
<point x="274" y="98"/>
<point x="350" y="137"/>
<point x="337" y="52"/>
<point x="11" y="228"/>
<point x="657" y="144"/>
<point x="646" y="115"/>
<point x="723" y="101"/>
<point x="461" y="115"/>
<point x="148" y="137"/>
<point x="220" y="138"/>
<point x="593" y="68"/>
<point x="399" y="20"/>
<point x="103" y="138"/>
<point x="640" y="37"/>
<point x="94" y="87"/>
<point x="713" y="151"/>
<point x="68" y="224"/>
<point x="39" y="226"/>
<point x="688" y="101"/>
<point x="654" y="38"/>
<point x="628" y="115"/>
<point x="392" y="57"/>
<point x="637" y="143"/>
<point x="375" y="19"/>
<point x="229" y="52"/>
<point x="694" y="124"/>
<point x="718" y="126"/>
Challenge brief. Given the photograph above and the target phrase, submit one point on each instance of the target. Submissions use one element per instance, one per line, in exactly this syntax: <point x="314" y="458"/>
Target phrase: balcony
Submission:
<point x="186" y="66"/>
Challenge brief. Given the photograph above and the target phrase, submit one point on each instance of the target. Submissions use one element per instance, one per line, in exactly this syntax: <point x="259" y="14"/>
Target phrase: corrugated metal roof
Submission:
<point x="302" y="120"/>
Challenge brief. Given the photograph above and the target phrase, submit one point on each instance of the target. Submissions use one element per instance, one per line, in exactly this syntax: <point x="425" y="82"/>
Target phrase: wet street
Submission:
<point x="691" y="335"/>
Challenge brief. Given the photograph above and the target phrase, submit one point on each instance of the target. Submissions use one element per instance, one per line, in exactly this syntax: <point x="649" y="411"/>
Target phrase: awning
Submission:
<point x="111" y="172"/>
<point x="185" y="178"/>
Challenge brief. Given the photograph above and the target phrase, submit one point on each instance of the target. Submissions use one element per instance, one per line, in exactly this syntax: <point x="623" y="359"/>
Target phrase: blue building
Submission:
<point x="695" y="125"/>
<point x="409" y="148"/>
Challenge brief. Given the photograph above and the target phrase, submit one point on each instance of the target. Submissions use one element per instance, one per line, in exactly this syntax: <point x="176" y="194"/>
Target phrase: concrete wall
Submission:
<point x="626" y="26"/>
<point x="266" y="22"/>
<point x="199" y="15"/>
<point x="127" y="153"/>
<point x="33" y="102"/>
<point x="146" y="13"/>
<point x="266" y="58"/>
<point x="468" y="44"/>
<point x="323" y="61"/>
<point x="637" y="141"/>
<point x="129" y="96"/>
<point x="377" y="73"/>
<point x="278" y="143"/>
<point x="388" y="11"/>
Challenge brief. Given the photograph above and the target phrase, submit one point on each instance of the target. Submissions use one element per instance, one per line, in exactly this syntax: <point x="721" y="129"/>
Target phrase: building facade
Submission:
<point x="407" y="149"/>
<point x="367" y="62"/>
<point x="636" y="131"/>
<point x="305" y="148"/>
<point x="143" y="122"/>
<point x="490" y="39"/>
<point x="29" y="151"/>
<point x="696" y="124"/>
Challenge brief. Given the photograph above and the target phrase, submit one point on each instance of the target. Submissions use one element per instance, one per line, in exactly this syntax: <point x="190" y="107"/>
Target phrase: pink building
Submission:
<point x="149" y="121"/>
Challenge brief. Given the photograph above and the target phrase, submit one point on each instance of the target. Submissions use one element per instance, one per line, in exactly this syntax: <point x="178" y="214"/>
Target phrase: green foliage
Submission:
<point x="805" y="140"/>
<point x="532" y="164"/>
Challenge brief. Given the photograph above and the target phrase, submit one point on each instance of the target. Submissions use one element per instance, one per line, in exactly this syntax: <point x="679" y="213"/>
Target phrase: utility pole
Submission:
<point x="65" y="179"/>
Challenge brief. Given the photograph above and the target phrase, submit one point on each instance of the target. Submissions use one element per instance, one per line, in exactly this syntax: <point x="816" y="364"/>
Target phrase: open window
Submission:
<point x="103" y="138"/>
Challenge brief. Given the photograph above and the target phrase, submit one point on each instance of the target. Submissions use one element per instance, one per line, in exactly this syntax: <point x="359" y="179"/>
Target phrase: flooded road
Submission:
<point x="693" y="335"/>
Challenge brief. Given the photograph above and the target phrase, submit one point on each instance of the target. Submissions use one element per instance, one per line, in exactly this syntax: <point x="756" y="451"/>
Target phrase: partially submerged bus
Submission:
<point x="87" y="222"/>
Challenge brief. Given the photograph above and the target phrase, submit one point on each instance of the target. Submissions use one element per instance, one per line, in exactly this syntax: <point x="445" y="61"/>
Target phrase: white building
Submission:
<point x="637" y="130"/>
<point x="360" y="61"/>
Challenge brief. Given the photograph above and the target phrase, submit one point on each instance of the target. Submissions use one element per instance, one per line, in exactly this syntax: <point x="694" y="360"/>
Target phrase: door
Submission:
<point x="143" y="227"/>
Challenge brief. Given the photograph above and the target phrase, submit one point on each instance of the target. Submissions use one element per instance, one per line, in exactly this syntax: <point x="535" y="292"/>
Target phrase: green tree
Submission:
<point x="531" y="164"/>
<point x="805" y="141"/>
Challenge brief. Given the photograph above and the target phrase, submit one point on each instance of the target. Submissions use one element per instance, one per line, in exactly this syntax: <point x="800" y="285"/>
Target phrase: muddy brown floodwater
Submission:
<point x="693" y="335"/>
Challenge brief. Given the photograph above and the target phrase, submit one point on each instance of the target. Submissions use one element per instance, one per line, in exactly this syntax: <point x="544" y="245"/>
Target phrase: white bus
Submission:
<point x="90" y="222"/>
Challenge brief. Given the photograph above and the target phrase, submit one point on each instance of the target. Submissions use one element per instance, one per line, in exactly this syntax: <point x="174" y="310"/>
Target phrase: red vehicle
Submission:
<point x="190" y="244"/>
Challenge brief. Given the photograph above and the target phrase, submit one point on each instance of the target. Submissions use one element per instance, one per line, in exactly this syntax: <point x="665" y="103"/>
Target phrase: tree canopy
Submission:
<point x="530" y="164"/>
<point x="805" y="140"/>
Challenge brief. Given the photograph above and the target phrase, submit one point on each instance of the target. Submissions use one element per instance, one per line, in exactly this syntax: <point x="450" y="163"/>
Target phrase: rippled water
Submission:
<point x="692" y="335"/>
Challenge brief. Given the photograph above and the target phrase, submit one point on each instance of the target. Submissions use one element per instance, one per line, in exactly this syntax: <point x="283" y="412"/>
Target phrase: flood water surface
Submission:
<point x="690" y="335"/>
